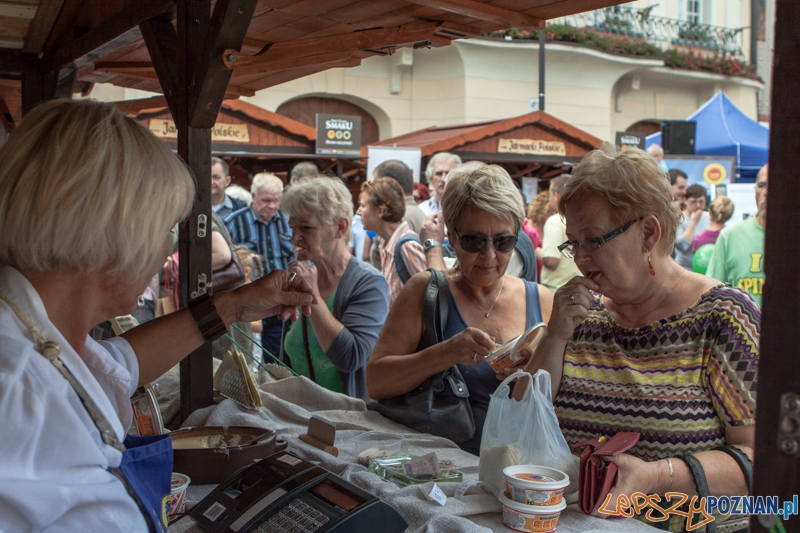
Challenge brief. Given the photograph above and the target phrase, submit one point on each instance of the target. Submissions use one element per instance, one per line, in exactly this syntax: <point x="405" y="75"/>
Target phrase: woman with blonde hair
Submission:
<point x="333" y="345"/>
<point x="483" y="212"/>
<point x="639" y="344"/>
<point x="87" y="198"/>
<point x="720" y="211"/>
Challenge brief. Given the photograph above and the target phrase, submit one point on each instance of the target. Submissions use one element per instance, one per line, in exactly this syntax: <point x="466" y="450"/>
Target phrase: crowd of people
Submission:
<point x="636" y="339"/>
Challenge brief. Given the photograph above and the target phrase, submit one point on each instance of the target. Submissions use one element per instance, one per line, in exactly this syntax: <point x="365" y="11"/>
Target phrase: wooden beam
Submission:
<point x="128" y="66"/>
<point x="315" y="46"/>
<point x="482" y="11"/>
<point x="162" y="44"/>
<point x="227" y="30"/>
<point x="140" y="104"/>
<point x="40" y="27"/>
<point x="111" y="35"/>
<point x="529" y="168"/>
<point x="777" y="450"/>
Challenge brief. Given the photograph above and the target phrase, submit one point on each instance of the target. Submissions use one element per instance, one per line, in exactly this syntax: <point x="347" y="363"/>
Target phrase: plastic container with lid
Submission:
<point x="535" y="485"/>
<point x="508" y="354"/>
<point x="530" y="518"/>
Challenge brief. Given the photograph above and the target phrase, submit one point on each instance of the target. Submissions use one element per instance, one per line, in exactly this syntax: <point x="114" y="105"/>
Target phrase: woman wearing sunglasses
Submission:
<point x="483" y="211"/>
<point x="641" y="344"/>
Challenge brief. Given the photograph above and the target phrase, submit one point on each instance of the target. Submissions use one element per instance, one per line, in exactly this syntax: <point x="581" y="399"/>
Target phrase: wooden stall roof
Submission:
<point x="480" y="140"/>
<point x="268" y="134"/>
<point x="93" y="41"/>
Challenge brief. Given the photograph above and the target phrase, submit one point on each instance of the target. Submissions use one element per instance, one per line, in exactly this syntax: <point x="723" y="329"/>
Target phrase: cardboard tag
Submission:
<point x="434" y="493"/>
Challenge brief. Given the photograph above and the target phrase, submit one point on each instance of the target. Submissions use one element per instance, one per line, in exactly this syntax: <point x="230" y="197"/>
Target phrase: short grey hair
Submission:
<point x="303" y="171"/>
<point x="440" y="158"/>
<point x="489" y="189"/>
<point x="329" y="200"/>
<point x="83" y="187"/>
<point x="268" y="181"/>
<point x="221" y="162"/>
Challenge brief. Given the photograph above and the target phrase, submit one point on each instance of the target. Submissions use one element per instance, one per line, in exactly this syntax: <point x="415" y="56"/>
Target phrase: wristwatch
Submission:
<point x="430" y="243"/>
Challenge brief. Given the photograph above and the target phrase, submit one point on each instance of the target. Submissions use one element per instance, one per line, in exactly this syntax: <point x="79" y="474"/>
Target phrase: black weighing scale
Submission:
<point x="284" y="493"/>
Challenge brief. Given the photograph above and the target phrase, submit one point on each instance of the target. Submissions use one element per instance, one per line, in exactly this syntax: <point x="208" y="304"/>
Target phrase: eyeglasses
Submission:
<point x="592" y="244"/>
<point x="472" y="244"/>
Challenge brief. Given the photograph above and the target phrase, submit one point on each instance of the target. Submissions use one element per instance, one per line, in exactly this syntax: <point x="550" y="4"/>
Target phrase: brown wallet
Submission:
<point x="596" y="475"/>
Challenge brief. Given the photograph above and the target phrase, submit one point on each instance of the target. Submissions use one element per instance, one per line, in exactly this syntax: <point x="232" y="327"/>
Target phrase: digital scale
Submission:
<point x="284" y="493"/>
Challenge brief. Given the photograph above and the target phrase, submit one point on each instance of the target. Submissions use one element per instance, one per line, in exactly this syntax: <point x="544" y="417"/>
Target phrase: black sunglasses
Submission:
<point x="472" y="244"/>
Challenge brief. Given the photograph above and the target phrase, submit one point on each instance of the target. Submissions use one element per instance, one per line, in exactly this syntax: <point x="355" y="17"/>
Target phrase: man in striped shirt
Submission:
<point x="265" y="230"/>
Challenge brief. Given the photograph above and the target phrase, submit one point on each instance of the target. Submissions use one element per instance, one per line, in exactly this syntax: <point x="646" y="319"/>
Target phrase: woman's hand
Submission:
<point x="634" y="475"/>
<point x="308" y="272"/>
<point x="571" y="304"/>
<point x="432" y="228"/>
<point x="269" y="295"/>
<point x="470" y="347"/>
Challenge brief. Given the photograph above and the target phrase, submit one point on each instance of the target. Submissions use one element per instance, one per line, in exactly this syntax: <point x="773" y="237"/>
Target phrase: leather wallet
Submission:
<point x="596" y="475"/>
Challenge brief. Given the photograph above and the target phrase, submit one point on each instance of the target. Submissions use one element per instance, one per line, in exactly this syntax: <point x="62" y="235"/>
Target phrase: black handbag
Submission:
<point x="440" y="405"/>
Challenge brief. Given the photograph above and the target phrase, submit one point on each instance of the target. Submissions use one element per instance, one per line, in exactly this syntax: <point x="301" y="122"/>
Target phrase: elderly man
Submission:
<point x="303" y="172"/>
<point x="436" y="172"/>
<point x="657" y="153"/>
<point x="678" y="180"/>
<point x="738" y="256"/>
<point x="265" y="230"/>
<point x="222" y="203"/>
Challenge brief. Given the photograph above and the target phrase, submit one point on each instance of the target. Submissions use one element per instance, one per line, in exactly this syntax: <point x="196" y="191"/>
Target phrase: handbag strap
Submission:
<point x="308" y="351"/>
<point x="431" y="312"/>
<point x="744" y="463"/>
<point x="700" y="482"/>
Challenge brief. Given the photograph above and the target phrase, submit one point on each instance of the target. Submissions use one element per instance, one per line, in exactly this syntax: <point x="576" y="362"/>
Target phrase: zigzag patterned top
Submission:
<point x="679" y="381"/>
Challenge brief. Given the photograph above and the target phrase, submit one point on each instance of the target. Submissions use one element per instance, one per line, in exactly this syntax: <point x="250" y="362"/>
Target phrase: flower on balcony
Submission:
<point x="681" y="56"/>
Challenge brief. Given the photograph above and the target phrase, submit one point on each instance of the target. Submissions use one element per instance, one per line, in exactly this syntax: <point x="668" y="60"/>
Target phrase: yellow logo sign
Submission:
<point x="714" y="174"/>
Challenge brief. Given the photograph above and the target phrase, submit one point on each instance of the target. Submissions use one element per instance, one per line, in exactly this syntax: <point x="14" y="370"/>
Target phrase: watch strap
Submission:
<point x="208" y="320"/>
<point x="430" y="243"/>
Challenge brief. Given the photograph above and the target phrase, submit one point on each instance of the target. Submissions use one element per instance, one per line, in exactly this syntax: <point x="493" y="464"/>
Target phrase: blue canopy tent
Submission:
<point x="722" y="129"/>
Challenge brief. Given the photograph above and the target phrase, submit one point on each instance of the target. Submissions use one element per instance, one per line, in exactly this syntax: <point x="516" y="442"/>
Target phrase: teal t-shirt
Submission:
<point x="325" y="373"/>
<point x="738" y="257"/>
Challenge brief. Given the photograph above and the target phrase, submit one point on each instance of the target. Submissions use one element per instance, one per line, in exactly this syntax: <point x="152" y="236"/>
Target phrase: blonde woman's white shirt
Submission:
<point x="53" y="461"/>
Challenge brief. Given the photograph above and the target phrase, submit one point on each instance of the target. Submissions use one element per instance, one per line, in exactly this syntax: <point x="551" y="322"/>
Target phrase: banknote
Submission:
<point x="425" y="467"/>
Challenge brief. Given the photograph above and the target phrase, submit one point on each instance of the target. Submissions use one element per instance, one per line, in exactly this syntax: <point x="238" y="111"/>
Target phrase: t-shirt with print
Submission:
<point x="738" y="257"/>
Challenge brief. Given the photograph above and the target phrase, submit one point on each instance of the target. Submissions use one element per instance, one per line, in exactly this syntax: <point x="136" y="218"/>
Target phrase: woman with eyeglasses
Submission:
<point x="639" y="343"/>
<point x="483" y="211"/>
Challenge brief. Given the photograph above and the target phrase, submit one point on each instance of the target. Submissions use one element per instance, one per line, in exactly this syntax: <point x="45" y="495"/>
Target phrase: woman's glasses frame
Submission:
<point x="593" y="244"/>
<point x="474" y="243"/>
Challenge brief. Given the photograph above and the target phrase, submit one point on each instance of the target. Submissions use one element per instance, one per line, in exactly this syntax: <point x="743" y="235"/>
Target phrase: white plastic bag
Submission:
<point x="524" y="432"/>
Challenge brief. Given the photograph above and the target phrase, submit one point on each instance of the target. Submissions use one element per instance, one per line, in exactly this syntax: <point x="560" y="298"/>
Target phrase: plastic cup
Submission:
<point x="177" y="501"/>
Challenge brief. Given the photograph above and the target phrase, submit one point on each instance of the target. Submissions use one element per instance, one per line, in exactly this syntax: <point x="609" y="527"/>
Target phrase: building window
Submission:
<point x="693" y="10"/>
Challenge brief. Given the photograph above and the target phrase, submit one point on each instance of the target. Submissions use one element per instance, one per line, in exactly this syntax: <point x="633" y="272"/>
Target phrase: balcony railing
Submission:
<point x="662" y="32"/>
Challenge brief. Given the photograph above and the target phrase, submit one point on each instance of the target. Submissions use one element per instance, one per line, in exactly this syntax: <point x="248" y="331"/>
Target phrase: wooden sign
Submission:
<point x="166" y="129"/>
<point x="531" y="146"/>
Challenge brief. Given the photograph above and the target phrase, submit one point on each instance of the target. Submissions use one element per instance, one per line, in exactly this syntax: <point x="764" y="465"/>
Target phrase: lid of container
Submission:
<point x="532" y="509"/>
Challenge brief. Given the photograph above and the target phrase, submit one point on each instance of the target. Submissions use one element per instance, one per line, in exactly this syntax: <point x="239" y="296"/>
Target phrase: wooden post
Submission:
<point x="193" y="78"/>
<point x="777" y="460"/>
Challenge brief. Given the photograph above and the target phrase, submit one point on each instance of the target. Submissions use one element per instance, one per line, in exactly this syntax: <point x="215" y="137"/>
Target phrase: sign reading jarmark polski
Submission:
<point x="338" y="134"/>
<point x="166" y="129"/>
<point x="531" y="146"/>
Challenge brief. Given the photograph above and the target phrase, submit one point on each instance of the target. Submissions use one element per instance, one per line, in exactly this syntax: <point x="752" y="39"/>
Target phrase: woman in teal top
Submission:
<point x="352" y="296"/>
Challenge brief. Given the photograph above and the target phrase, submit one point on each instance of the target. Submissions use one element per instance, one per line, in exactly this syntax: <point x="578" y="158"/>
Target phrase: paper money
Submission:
<point x="425" y="467"/>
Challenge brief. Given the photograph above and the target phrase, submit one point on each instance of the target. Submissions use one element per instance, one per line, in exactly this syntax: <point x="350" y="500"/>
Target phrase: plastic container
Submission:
<point x="391" y="469"/>
<point x="508" y="354"/>
<point x="534" y="485"/>
<point x="377" y="445"/>
<point x="177" y="501"/>
<point x="530" y="518"/>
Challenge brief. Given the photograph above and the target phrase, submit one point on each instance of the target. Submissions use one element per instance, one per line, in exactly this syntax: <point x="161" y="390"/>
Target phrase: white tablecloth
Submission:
<point x="288" y="405"/>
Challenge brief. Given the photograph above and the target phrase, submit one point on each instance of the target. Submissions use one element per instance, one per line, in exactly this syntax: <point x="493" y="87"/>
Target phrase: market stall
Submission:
<point x="535" y="145"/>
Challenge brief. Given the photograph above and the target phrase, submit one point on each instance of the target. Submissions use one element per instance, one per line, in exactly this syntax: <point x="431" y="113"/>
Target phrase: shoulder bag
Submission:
<point x="440" y="405"/>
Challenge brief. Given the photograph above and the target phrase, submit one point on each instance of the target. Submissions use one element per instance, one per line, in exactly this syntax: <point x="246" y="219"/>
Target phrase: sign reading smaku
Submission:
<point x="220" y="132"/>
<point x="338" y="134"/>
<point x="530" y="146"/>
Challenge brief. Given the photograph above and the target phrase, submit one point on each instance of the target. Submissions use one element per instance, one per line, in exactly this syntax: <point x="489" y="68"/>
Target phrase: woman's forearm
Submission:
<point x="549" y="355"/>
<point x="326" y="327"/>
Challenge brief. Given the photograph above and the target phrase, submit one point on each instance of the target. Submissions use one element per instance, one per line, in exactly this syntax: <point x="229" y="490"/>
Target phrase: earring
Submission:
<point x="650" y="265"/>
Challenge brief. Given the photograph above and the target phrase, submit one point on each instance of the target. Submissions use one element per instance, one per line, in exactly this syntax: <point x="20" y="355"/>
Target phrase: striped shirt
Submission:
<point x="273" y="241"/>
<point x="413" y="257"/>
<point x="680" y="381"/>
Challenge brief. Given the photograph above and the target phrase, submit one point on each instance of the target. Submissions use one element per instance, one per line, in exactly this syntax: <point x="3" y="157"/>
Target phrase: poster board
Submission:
<point x="743" y="196"/>
<point x="706" y="170"/>
<point x="412" y="157"/>
<point x="338" y="134"/>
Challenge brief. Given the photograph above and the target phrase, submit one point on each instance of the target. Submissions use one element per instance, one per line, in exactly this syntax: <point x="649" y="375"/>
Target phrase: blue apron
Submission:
<point x="146" y="472"/>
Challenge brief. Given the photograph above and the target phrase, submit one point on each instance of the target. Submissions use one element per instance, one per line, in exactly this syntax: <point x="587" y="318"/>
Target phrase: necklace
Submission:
<point x="495" y="300"/>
